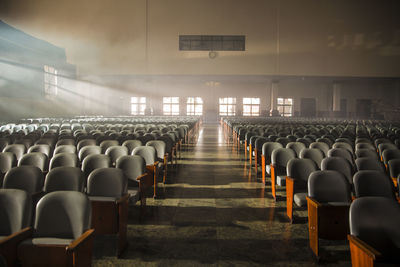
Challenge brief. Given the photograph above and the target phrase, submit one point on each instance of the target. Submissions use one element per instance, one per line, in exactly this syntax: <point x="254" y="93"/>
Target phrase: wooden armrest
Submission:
<point x="367" y="249"/>
<point x="313" y="202"/>
<point x="141" y="176"/>
<point x="80" y="240"/>
<point x="123" y="198"/>
<point x="17" y="236"/>
<point x="156" y="163"/>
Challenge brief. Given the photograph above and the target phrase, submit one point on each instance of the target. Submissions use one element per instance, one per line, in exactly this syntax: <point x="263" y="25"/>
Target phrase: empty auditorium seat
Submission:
<point x="64" y="179"/>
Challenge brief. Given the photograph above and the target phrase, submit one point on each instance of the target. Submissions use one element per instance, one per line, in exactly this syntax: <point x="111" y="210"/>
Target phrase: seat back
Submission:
<point x="114" y="152"/>
<point x="64" y="179"/>
<point x="267" y="149"/>
<point x="376" y="220"/>
<point x="146" y="152"/>
<point x="373" y="184"/>
<point x="43" y="148"/>
<point x="394" y="167"/>
<point x="15" y="211"/>
<point x="369" y="163"/>
<point x="342" y="153"/>
<point x="62" y="214"/>
<point x="95" y="161"/>
<point x="7" y="161"/>
<point x="37" y="159"/>
<point x="64" y="149"/>
<point x="315" y="154"/>
<point x="27" y="178"/>
<point x="85" y="142"/>
<point x="131" y="145"/>
<point x="322" y="146"/>
<point x="329" y="186"/>
<point x="338" y="164"/>
<point x="132" y="166"/>
<point x="389" y="154"/>
<point x="64" y="159"/>
<point x="88" y="150"/>
<point x="159" y="146"/>
<point x="296" y="147"/>
<point x="107" y="182"/>
<point x="300" y="169"/>
<point x="343" y="145"/>
<point x="365" y="152"/>
<point x="281" y="156"/>
<point x="106" y="144"/>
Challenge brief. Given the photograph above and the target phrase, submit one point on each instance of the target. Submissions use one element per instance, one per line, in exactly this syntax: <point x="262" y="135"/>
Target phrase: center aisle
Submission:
<point x="213" y="211"/>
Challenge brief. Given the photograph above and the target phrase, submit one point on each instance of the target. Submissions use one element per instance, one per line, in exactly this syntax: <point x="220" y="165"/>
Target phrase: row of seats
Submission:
<point x="330" y="167"/>
<point x="86" y="191"/>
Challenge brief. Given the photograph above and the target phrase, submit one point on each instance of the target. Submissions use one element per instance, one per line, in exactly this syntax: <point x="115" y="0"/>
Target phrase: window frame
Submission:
<point x="285" y="103"/>
<point x="253" y="105"/>
<point x="191" y="107"/>
<point x="140" y="104"/>
<point x="172" y="104"/>
<point x="228" y="104"/>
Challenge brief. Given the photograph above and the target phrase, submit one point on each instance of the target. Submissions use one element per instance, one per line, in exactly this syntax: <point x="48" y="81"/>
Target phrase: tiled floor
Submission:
<point x="213" y="211"/>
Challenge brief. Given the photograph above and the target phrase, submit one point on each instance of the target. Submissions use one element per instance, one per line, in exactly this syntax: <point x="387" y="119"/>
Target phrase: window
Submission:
<point x="251" y="106"/>
<point x="138" y="105"/>
<point x="212" y="42"/>
<point x="285" y="106"/>
<point x="227" y="106"/>
<point x="194" y="106"/>
<point x="171" y="105"/>
<point x="50" y="81"/>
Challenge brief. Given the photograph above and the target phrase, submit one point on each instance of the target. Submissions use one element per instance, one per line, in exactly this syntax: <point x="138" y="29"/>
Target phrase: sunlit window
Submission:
<point x="194" y="106"/>
<point x="50" y="81"/>
<point x="227" y="106"/>
<point x="251" y="106"/>
<point x="138" y="105"/>
<point x="285" y="106"/>
<point x="170" y="105"/>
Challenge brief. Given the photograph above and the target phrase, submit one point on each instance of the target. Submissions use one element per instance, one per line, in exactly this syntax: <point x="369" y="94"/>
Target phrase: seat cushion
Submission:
<point x="134" y="196"/>
<point x="300" y="199"/>
<point x="281" y="180"/>
<point x="268" y="169"/>
<point x="47" y="241"/>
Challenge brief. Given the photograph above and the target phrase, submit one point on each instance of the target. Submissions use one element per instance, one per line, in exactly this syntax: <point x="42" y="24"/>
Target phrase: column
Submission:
<point x="274" y="95"/>
<point x="337" y="87"/>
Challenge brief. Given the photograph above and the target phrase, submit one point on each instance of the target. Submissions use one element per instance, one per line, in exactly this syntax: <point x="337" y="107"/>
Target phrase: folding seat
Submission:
<point x="131" y="145"/>
<point x="7" y="161"/>
<point x="315" y="154"/>
<point x="279" y="159"/>
<point x="27" y="142"/>
<point x="340" y="165"/>
<point x="169" y="146"/>
<point x="342" y="153"/>
<point x="252" y="146"/>
<point x="65" y="141"/>
<point x="43" y="148"/>
<point x="259" y="142"/>
<point x="371" y="183"/>
<point x="283" y="141"/>
<point x="61" y="235"/>
<point x="389" y="154"/>
<point x="27" y="178"/>
<point x="379" y="141"/>
<point x="363" y="140"/>
<point x="107" y="191"/>
<point x="267" y="149"/>
<point x="368" y="146"/>
<point x="51" y="141"/>
<point x="161" y="156"/>
<point x="148" y="153"/>
<point x="85" y="142"/>
<point x="344" y="140"/>
<point x="134" y="168"/>
<point x="106" y="144"/>
<point x="65" y="149"/>
<point x="146" y="138"/>
<point x="394" y="170"/>
<point x="343" y="145"/>
<point x="298" y="171"/>
<point x="247" y="145"/>
<point x="321" y="146"/>
<point x="64" y="159"/>
<point x="15" y="219"/>
<point x="114" y="152"/>
<point x="64" y="179"/>
<point x="88" y="150"/>
<point x="17" y="149"/>
<point x="296" y="147"/>
<point x="365" y="152"/>
<point x="95" y="161"/>
<point x="374" y="232"/>
<point x="369" y="163"/>
<point x="328" y="203"/>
